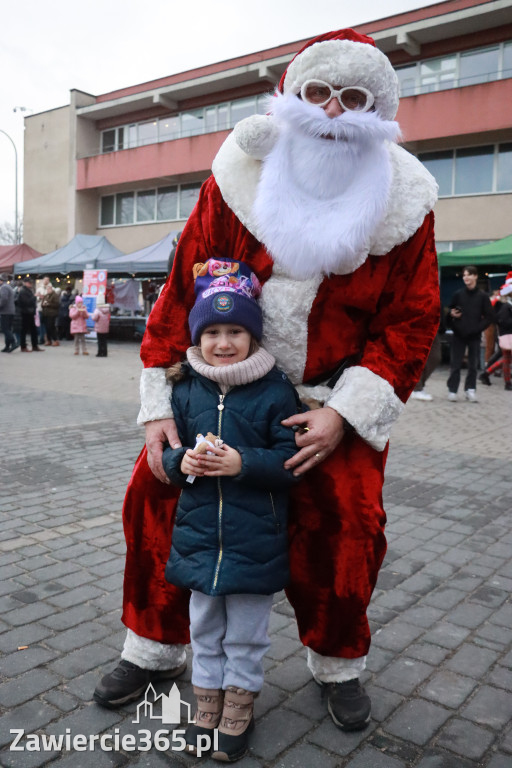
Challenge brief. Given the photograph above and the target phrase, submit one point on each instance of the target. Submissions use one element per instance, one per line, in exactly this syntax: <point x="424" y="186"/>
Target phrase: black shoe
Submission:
<point x="6" y="349"/>
<point x="14" y="346"/>
<point x="484" y="378"/>
<point x="348" y="704"/>
<point x="508" y="386"/>
<point x="127" y="682"/>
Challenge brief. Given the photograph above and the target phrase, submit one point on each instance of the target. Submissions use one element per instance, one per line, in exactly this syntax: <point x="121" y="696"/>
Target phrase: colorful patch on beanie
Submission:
<point x="223" y="302"/>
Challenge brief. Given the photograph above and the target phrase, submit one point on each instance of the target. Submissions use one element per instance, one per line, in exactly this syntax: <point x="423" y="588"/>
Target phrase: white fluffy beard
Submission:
<point x="324" y="188"/>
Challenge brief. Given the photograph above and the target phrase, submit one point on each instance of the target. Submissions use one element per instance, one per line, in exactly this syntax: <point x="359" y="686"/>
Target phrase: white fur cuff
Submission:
<point x="155" y="396"/>
<point x="329" y="669"/>
<point x="368" y="402"/>
<point x="150" y="654"/>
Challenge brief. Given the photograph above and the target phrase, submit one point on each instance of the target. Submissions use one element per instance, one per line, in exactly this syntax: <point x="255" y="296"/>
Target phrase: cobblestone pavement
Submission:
<point x="440" y="667"/>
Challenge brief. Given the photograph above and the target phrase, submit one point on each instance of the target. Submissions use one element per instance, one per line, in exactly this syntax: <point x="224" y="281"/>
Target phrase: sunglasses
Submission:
<point x="352" y="99"/>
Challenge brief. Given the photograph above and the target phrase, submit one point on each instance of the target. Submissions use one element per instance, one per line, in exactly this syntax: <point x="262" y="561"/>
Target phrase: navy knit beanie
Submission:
<point x="226" y="292"/>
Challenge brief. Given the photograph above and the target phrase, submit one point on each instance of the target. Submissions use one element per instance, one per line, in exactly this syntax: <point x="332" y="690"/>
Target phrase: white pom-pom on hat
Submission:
<point x="256" y="135"/>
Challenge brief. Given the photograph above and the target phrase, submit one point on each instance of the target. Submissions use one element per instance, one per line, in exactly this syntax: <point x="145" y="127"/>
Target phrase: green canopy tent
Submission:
<point x="498" y="252"/>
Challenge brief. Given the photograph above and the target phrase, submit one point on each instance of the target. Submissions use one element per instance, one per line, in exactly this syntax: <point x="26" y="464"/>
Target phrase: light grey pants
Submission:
<point x="229" y="637"/>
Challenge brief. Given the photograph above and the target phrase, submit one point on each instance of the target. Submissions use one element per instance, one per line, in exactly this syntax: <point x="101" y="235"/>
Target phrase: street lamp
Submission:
<point x="15" y="186"/>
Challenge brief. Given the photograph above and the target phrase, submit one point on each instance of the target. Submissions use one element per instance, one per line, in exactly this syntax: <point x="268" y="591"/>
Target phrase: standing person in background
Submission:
<point x="101" y="317"/>
<point x="50" y="309"/>
<point x="7" y="313"/>
<point x="79" y="315"/>
<point x="40" y="294"/>
<point x="16" y="323"/>
<point x="470" y="312"/>
<point x="503" y="315"/>
<point x="27" y="303"/>
<point x="63" y="319"/>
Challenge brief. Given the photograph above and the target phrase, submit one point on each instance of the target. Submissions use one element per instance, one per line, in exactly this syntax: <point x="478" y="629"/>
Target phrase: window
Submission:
<point x="242" y="108"/>
<point x="107" y="211"/>
<point x="506" y="70"/>
<point x="146" y="205"/>
<point x="131" y="131"/>
<point x="162" y="204"/>
<point x="167" y="204"/>
<point x="189" y="194"/>
<point x="218" y="117"/>
<point x="504" y="183"/>
<point x="148" y="132"/>
<point x="222" y="118"/>
<point x="473" y="170"/>
<point x="192" y="122"/>
<point x="480" y="65"/>
<point x="124" y="208"/>
<point x="437" y="74"/>
<point x="407" y="80"/>
<point x="108" y="140"/>
<point x="440" y="165"/>
<point x="168" y="128"/>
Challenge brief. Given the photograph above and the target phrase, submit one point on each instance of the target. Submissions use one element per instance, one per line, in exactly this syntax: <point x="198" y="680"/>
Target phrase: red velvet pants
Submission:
<point x="337" y="545"/>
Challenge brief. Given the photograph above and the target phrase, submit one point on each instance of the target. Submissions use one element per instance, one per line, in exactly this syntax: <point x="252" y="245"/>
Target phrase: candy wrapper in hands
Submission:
<point x="203" y="442"/>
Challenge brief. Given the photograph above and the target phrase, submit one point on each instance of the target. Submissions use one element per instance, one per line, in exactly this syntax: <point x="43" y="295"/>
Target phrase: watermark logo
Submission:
<point x="166" y="708"/>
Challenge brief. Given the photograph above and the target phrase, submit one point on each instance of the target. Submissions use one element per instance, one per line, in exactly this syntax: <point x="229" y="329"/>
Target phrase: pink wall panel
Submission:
<point x="456" y="112"/>
<point x="151" y="162"/>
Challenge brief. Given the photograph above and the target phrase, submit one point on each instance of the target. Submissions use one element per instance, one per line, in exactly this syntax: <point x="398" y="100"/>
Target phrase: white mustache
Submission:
<point x="358" y="127"/>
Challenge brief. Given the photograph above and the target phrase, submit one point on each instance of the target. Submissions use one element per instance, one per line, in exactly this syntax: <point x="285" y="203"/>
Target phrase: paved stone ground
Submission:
<point x="440" y="667"/>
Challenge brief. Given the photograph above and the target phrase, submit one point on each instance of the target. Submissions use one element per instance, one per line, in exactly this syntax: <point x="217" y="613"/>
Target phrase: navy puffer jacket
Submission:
<point x="230" y="534"/>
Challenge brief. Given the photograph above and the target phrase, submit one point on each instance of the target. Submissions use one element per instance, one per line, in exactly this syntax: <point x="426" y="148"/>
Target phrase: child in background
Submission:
<point x="78" y="328"/>
<point x="101" y="317"/>
<point x="229" y="543"/>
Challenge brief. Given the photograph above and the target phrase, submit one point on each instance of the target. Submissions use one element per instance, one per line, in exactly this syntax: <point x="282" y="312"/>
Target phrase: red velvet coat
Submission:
<point x="386" y="311"/>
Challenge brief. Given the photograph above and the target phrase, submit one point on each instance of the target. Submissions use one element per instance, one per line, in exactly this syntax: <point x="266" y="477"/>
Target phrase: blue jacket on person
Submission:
<point x="230" y="534"/>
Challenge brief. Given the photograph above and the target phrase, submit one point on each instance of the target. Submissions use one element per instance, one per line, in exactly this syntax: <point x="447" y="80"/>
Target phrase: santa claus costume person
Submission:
<point x="336" y="221"/>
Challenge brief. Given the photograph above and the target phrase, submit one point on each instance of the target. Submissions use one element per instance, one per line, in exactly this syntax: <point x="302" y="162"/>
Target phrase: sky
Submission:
<point x="48" y="47"/>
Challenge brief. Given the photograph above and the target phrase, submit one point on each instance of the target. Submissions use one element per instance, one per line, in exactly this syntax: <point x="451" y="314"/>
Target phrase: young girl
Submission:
<point x="78" y="328"/>
<point x="101" y="317"/>
<point x="229" y="543"/>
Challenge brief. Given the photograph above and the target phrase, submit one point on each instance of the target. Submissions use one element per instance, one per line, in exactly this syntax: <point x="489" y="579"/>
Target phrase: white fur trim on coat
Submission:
<point x="286" y="304"/>
<point x="368" y="402"/>
<point x="330" y="669"/>
<point x="412" y="195"/>
<point x="346" y="62"/>
<point x="150" y="654"/>
<point x="155" y="396"/>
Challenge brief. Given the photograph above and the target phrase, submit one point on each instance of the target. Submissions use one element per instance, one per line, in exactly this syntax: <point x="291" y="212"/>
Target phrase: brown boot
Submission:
<point x="55" y="343"/>
<point x="207" y="717"/>
<point x="236" y="724"/>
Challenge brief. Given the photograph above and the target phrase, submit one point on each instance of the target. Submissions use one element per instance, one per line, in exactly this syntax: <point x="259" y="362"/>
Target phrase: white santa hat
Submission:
<point x="344" y="57"/>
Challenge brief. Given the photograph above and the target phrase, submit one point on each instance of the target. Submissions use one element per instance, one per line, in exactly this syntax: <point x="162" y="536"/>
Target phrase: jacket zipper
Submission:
<point x="219" y="486"/>
<point x="276" y="521"/>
